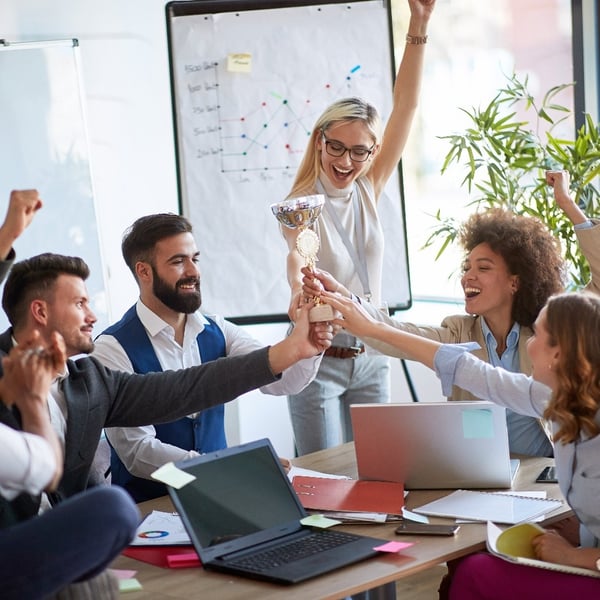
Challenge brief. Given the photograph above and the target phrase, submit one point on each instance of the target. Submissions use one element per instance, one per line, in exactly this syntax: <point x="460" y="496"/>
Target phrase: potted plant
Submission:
<point x="505" y="160"/>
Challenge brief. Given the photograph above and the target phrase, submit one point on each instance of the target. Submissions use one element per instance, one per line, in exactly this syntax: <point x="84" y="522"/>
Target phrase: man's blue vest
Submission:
<point x="203" y="433"/>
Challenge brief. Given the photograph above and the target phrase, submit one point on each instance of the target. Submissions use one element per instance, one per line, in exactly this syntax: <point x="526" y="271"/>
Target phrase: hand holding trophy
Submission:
<point x="301" y="213"/>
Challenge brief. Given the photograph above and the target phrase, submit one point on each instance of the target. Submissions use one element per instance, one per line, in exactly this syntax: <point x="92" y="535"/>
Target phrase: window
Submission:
<point x="472" y="47"/>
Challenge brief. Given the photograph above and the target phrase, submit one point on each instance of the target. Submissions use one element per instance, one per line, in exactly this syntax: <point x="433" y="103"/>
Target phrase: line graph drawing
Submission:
<point x="248" y="87"/>
<point x="270" y="133"/>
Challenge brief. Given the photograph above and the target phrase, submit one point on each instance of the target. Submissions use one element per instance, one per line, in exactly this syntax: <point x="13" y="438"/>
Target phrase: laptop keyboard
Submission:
<point x="293" y="551"/>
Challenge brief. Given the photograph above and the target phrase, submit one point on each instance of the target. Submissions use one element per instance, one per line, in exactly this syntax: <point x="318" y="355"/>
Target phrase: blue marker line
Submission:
<point x="356" y="68"/>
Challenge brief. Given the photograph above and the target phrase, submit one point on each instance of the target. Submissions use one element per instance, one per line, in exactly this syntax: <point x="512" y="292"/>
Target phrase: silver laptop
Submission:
<point x="243" y="517"/>
<point x="433" y="445"/>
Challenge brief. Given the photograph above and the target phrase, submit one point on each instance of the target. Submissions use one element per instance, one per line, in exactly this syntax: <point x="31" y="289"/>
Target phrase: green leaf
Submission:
<point x="505" y="162"/>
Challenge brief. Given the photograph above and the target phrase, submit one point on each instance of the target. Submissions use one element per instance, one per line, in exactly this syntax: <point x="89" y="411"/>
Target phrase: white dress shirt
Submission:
<point x="27" y="465"/>
<point x="138" y="447"/>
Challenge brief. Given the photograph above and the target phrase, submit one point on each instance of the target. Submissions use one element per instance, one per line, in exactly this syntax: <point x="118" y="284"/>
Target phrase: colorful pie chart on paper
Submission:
<point x="153" y="534"/>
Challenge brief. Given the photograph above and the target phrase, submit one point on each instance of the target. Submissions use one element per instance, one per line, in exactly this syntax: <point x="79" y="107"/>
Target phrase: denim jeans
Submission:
<point x="73" y="541"/>
<point x="320" y="413"/>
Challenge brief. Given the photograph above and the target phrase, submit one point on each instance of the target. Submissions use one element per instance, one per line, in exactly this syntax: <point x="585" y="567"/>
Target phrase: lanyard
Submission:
<point x="358" y="255"/>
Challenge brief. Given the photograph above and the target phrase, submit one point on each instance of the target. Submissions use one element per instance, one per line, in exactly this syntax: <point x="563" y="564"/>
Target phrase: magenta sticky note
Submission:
<point x="393" y="546"/>
<point x="183" y="560"/>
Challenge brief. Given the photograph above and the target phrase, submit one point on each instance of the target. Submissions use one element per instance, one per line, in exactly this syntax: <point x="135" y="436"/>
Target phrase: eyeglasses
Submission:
<point x="357" y="153"/>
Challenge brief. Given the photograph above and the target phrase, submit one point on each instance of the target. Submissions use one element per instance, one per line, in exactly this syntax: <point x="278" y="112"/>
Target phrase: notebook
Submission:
<point x="486" y="506"/>
<point x="433" y="445"/>
<point x="241" y="506"/>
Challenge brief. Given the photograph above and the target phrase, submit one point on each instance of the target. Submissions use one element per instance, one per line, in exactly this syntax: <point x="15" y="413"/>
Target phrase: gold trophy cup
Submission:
<point x="301" y="213"/>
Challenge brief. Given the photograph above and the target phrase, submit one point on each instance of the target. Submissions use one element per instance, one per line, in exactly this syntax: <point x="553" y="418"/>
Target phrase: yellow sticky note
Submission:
<point x="239" y="62"/>
<point x="172" y="476"/>
<point x="319" y="521"/>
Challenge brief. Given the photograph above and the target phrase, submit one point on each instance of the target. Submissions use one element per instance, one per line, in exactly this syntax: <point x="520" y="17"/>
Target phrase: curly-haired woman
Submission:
<point x="512" y="265"/>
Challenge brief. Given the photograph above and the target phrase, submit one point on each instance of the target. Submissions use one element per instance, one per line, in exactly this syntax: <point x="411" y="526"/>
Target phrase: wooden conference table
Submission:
<point x="378" y="572"/>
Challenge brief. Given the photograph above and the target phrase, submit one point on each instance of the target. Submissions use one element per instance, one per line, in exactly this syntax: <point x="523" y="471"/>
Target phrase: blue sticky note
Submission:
<point x="477" y="423"/>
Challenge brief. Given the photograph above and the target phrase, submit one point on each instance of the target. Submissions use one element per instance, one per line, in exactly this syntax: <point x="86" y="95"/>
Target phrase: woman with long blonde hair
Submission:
<point x="349" y="161"/>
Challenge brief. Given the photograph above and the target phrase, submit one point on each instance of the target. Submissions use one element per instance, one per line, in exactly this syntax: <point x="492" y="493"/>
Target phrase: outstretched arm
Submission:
<point x="317" y="280"/>
<point x="304" y="341"/>
<point x="359" y="323"/>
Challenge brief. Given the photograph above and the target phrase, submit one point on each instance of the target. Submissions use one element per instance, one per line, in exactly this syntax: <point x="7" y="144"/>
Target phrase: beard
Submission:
<point x="78" y="346"/>
<point x="186" y="303"/>
<point x="86" y="347"/>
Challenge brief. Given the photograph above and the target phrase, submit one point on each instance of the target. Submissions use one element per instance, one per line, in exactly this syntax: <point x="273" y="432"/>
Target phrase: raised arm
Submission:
<point x="407" y="89"/>
<point x="559" y="180"/>
<point x="22" y="206"/>
<point x="587" y="230"/>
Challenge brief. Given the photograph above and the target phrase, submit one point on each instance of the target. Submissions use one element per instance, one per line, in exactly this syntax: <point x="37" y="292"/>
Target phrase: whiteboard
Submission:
<point x="248" y="82"/>
<point x="44" y="146"/>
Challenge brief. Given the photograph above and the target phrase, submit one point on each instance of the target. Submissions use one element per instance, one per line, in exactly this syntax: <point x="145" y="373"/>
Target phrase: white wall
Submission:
<point x="124" y="63"/>
<point x="127" y="92"/>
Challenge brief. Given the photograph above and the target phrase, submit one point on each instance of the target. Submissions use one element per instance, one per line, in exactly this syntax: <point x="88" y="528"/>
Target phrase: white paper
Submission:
<point x="161" y="529"/>
<point x="294" y="471"/>
<point x="486" y="506"/>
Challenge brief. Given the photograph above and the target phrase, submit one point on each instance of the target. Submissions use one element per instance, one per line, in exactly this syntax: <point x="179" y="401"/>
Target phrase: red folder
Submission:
<point x="350" y="495"/>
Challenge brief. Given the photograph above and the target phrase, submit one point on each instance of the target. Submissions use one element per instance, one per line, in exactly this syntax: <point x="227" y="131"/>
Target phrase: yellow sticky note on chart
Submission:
<point x="239" y="62"/>
<point x="172" y="476"/>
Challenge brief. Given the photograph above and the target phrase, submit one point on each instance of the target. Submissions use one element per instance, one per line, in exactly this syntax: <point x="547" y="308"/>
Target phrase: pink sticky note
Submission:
<point x="183" y="560"/>
<point x="393" y="546"/>
<point x="123" y="573"/>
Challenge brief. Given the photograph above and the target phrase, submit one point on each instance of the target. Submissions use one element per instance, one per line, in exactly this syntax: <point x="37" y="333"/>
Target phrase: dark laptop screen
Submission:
<point x="237" y="492"/>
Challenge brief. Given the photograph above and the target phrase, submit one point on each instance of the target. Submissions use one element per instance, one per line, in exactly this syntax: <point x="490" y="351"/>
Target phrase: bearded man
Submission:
<point x="165" y="330"/>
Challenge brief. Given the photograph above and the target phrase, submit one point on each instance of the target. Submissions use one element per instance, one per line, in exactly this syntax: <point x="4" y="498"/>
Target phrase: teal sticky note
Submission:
<point x="129" y="585"/>
<point x="477" y="423"/>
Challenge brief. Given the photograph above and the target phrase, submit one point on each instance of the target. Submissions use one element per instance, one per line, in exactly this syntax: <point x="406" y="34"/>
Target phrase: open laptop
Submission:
<point x="241" y="506"/>
<point x="433" y="445"/>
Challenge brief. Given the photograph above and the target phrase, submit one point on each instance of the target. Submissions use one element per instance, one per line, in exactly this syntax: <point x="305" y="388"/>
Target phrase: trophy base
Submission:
<point x="320" y="312"/>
